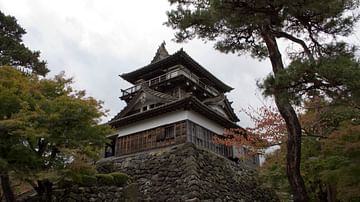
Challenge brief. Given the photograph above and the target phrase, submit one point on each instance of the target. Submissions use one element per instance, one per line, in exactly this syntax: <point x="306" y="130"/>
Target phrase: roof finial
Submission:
<point x="161" y="53"/>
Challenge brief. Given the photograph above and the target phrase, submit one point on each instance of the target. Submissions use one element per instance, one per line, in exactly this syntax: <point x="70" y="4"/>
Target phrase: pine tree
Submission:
<point x="13" y="52"/>
<point x="254" y="26"/>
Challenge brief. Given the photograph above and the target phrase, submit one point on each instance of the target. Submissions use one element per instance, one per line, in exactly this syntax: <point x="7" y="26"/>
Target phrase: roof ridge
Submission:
<point x="160" y="54"/>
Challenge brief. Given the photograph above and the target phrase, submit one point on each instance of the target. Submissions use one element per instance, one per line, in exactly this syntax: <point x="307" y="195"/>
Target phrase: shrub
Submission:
<point x="88" y="180"/>
<point x="120" y="179"/>
<point x="104" y="179"/>
<point x="78" y="174"/>
<point x="78" y="179"/>
<point x="65" y="182"/>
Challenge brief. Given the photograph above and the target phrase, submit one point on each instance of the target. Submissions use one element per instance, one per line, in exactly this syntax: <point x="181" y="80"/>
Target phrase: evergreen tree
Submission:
<point x="254" y="26"/>
<point x="13" y="52"/>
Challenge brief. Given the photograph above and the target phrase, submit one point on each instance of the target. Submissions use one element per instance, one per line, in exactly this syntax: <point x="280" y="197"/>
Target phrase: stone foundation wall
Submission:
<point x="181" y="173"/>
<point x="129" y="193"/>
<point x="187" y="173"/>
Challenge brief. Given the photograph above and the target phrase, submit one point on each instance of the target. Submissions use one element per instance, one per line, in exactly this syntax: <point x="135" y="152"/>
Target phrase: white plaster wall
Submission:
<point x="152" y="123"/>
<point x="169" y="118"/>
<point x="205" y="122"/>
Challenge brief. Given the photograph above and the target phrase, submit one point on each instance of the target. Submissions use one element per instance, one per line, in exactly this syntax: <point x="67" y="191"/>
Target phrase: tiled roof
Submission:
<point x="180" y="57"/>
<point x="222" y="99"/>
<point x="186" y="103"/>
<point x="144" y="88"/>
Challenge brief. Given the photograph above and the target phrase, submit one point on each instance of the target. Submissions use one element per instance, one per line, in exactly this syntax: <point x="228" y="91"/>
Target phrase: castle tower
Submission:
<point x="173" y="100"/>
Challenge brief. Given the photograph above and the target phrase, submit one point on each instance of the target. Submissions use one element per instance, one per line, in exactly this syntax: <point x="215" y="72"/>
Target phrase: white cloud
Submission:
<point x="95" y="41"/>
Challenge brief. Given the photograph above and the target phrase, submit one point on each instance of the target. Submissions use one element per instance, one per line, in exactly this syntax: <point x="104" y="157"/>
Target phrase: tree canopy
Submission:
<point x="330" y="157"/>
<point x="237" y="26"/>
<point x="335" y="75"/>
<point x="12" y="50"/>
<point x="46" y="126"/>
<point x="248" y="26"/>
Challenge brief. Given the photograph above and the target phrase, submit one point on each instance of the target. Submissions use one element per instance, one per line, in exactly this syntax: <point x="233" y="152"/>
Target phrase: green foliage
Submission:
<point x="13" y="51"/>
<point x="46" y="128"/>
<point x="336" y="75"/>
<point x="317" y="69"/>
<point x="65" y="182"/>
<point x="88" y="180"/>
<point x="78" y="172"/>
<point x="237" y="26"/>
<point x="332" y="161"/>
<point x="78" y="179"/>
<point x="342" y="160"/>
<point x="273" y="172"/>
<point x="115" y="178"/>
<point x="120" y="179"/>
<point x="105" y="179"/>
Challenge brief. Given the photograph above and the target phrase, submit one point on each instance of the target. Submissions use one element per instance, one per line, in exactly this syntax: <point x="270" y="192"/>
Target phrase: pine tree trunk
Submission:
<point x="6" y="187"/>
<point x="293" y="126"/>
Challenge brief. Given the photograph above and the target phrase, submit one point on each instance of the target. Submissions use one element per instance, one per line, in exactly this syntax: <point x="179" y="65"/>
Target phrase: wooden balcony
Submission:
<point x="170" y="75"/>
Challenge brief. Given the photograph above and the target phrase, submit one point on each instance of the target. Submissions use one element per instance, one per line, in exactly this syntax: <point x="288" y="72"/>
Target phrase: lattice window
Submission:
<point x="169" y="132"/>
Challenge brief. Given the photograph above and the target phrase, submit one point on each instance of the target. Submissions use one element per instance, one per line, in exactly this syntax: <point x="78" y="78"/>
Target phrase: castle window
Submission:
<point x="169" y="132"/>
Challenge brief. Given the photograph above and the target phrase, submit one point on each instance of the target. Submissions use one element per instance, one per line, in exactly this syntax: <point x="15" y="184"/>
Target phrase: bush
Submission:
<point x="78" y="174"/>
<point x="77" y="179"/>
<point x="88" y="180"/>
<point x="65" y="182"/>
<point x="120" y="179"/>
<point x="104" y="179"/>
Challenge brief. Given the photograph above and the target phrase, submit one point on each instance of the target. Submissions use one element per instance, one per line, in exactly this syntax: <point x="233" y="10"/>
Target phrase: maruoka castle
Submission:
<point x="173" y="100"/>
<point x="164" y="137"/>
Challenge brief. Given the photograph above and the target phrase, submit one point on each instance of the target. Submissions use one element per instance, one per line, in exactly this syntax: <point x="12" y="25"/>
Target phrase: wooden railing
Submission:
<point x="169" y="75"/>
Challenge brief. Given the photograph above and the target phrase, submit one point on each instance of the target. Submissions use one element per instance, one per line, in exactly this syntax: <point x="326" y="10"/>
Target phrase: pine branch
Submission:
<point x="307" y="51"/>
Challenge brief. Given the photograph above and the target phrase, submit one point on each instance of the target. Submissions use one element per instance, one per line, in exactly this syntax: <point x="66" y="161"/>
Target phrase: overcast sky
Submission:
<point x="94" y="41"/>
